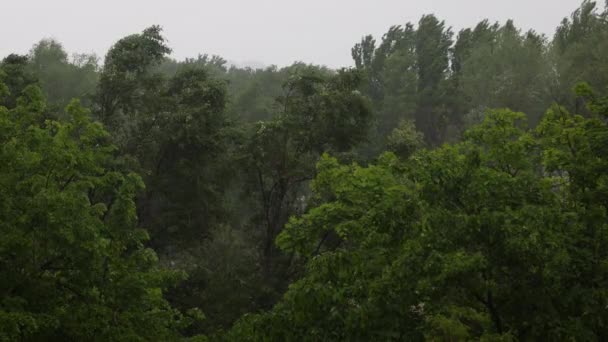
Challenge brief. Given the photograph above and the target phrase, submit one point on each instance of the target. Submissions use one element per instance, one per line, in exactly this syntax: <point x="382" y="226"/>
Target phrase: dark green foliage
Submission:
<point x="181" y="145"/>
<point x="127" y="87"/>
<point x="15" y="76"/>
<point x="174" y="129"/>
<point x="433" y="42"/>
<point x="318" y="113"/>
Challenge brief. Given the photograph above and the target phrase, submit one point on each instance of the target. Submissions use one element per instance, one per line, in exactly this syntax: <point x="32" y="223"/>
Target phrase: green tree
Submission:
<point x="171" y="126"/>
<point x="73" y="261"/>
<point x="494" y="238"/>
<point x="172" y="130"/>
<point x="405" y="140"/>
<point x="182" y="146"/>
<point x="62" y="79"/>
<point x="499" y="67"/>
<point x="400" y="78"/>
<point x="15" y="76"/>
<point x="579" y="51"/>
<point x="407" y="78"/>
<point x="433" y="42"/>
<point x="318" y="113"/>
<point x="128" y="87"/>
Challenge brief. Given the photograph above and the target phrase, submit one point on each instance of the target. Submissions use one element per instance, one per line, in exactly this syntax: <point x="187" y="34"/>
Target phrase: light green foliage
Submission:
<point x="495" y="238"/>
<point x="73" y="261"/>
<point x="405" y="140"/>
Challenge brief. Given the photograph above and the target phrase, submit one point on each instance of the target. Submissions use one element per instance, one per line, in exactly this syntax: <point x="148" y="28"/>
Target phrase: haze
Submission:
<point x="253" y="32"/>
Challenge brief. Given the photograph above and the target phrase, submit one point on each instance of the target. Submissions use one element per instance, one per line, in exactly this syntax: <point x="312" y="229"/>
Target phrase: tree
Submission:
<point x="405" y="140"/>
<point x="579" y="51"/>
<point x="15" y="76"/>
<point x="173" y="131"/>
<point x="182" y="146"/>
<point x="318" y="113"/>
<point x="62" y="79"/>
<point x="73" y="261"/>
<point x="400" y="78"/>
<point x="407" y="78"/>
<point x="494" y="238"/>
<point x="367" y="60"/>
<point x="499" y="67"/>
<point x="433" y="42"/>
<point x="127" y="87"/>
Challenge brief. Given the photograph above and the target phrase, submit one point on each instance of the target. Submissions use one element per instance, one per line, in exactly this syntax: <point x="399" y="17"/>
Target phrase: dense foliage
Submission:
<point x="499" y="237"/>
<point x="74" y="262"/>
<point x="450" y="186"/>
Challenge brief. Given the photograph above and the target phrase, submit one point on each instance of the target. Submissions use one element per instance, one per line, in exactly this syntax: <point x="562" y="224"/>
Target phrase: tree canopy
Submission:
<point x="448" y="186"/>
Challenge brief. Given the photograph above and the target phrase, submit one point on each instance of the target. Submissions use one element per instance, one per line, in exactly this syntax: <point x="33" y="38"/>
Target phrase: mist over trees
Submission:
<point x="449" y="186"/>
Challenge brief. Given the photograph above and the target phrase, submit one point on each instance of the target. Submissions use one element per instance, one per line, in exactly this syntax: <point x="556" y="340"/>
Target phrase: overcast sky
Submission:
<point x="267" y="31"/>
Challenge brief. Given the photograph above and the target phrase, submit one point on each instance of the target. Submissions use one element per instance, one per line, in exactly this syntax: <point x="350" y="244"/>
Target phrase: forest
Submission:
<point x="450" y="186"/>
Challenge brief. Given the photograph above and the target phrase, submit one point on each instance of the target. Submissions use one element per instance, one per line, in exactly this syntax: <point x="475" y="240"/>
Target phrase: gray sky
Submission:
<point x="268" y="31"/>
